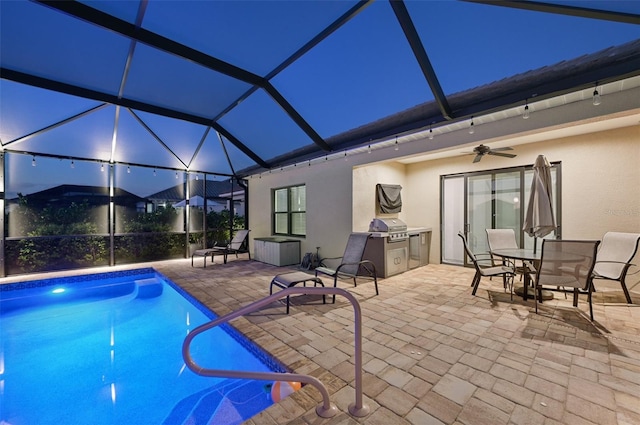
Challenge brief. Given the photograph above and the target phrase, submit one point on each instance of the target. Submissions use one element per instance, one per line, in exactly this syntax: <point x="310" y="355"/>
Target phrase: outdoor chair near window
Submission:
<point x="614" y="258"/>
<point x="503" y="239"/>
<point x="238" y="245"/>
<point x="568" y="264"/>
<point x="351" y="265"/>
<point x="506" y="271"/>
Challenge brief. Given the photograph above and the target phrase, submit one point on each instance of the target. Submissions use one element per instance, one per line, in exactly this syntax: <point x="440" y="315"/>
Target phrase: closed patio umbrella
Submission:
<point x="539" y="220"/>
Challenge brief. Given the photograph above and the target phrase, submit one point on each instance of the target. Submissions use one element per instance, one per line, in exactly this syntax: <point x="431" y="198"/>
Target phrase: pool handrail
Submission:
<point x="324" y="410"/>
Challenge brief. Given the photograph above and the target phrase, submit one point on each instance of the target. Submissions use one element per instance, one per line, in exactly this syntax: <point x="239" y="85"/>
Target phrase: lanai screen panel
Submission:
<point x="276" y="78"/>
<point x="362" y="72"/>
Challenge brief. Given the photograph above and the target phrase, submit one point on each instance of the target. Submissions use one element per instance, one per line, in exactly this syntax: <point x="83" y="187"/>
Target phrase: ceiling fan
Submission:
<point x="482" y="150"/>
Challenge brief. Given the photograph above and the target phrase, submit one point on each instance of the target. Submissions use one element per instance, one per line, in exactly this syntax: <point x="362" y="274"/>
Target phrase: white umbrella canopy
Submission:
<point x="540" y="220"/>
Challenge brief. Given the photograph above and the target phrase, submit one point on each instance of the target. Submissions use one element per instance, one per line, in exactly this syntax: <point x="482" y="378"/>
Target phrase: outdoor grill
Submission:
<point x="395" y="230"/>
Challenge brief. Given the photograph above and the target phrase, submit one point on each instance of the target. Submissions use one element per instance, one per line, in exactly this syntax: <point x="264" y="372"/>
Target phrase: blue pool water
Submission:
<point x="106" y="349"/>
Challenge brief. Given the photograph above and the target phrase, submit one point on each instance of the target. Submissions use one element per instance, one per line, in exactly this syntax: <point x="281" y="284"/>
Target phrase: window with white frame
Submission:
<point x="290" y="211"/>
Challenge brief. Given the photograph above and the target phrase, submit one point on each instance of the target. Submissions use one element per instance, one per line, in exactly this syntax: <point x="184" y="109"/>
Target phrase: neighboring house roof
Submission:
<point x="214" y="190"/>
<point x="67" y="193"/>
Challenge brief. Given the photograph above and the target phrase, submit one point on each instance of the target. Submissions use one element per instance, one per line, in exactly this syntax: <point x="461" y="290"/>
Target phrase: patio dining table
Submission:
<point x="523" y="255"/>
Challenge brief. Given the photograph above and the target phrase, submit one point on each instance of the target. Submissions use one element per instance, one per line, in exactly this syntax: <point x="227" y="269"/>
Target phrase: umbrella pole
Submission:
<point x="535" y="244"/>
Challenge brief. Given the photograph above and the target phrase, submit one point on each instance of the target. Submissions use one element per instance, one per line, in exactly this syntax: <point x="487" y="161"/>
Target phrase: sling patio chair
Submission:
<point x="565" y="263"/>
<point x="238" y="245"/>
<point x="614" y="258"/>
<point x="204" y="253"/>
<point x="506" y="271"/>
<point x="503" y="239"/>
<point x="352" y="264"/>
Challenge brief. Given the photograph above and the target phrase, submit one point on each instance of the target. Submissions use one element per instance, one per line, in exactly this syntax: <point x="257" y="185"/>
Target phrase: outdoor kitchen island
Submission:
<point x="395" y="248"/>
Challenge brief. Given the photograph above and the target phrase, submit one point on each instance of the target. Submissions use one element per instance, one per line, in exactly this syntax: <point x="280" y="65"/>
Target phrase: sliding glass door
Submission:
<point x="494" y="199"/>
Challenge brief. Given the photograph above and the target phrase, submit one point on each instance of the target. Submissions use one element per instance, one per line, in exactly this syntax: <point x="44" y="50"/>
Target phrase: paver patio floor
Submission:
<point x="435" y="354"/>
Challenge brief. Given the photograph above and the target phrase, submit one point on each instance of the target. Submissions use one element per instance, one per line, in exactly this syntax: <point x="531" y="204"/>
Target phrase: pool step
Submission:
<point x="149" y="288"/>
<point x="230" y="402"/>
<point x="86" y="291"/>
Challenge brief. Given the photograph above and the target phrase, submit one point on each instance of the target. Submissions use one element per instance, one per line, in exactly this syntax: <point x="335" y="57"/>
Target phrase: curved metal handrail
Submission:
<point x="326" y="409"/>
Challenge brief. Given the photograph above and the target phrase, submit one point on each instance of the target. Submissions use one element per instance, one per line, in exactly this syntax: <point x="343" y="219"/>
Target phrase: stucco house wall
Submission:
<point x="600" y="183"/>
<point x="600" y="180"/>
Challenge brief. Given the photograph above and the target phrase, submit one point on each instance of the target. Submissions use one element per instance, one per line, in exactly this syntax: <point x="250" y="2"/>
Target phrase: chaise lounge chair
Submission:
<point x="204" y="253"/>
<point x="236" y="246"/>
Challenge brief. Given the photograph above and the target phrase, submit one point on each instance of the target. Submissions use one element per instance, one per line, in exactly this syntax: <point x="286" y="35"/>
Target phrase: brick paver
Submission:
<point x="435" y="354"/>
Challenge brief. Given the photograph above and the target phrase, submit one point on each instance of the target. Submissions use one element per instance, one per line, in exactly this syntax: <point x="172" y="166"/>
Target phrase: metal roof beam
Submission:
<point x="335" y="25"/>
<point x="419" y="52"/>
<point x="559" y="9"/>
<point x="157" y="41"/>
<point x="55" y="125"/>
<point x="155" y="136"/>
<point x="48" y="84"/>
<point x="296" y="117"/>
<point x="102" y="19"/>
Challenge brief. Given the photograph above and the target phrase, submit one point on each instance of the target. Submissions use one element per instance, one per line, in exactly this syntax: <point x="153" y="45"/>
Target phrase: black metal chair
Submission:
<point x="352" y="265"/>
<point x="506" y="271"/>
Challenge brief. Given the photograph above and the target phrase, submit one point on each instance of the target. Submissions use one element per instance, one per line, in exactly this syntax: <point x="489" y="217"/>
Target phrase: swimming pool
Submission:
<point x="106" y="349"/>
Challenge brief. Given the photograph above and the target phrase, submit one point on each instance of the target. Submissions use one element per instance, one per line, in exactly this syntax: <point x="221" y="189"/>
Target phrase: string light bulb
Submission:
<point x="596" y="96"/>
<point x="525" y="113"/>
<point x="471" y="128"/>
<point x="176" y="175"/>
<point x="102" y="168"/>
<point x="128" y="169"/>
<point x="33" y="161"/>
<point x="154" y="172"/>
<point x="73" y="165"/>
<point x="369" y="149"/>
<point x="430" y="132"/>
<point x="396" y="148"/>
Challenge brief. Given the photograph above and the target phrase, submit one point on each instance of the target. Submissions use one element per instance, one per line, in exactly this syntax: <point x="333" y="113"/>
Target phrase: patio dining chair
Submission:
<point x="352" y="264"/>
<point x="614" y="258"/>
<point x="503" y="239"/>
<point x="568" y="264"/>
<point x="506" y="271"/>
